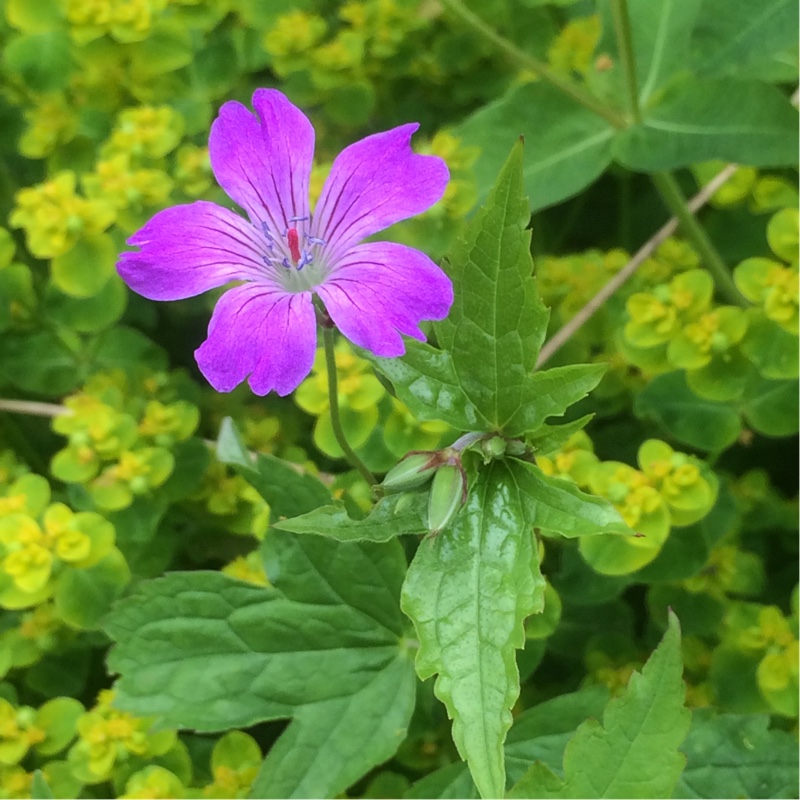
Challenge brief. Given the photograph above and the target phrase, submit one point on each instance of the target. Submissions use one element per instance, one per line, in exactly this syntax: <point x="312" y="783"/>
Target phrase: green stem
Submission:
<point x="622" y="29"/>
<point x="673" y="198"/>
<point x="564" y="85"/>
<point x="333" y="397"/>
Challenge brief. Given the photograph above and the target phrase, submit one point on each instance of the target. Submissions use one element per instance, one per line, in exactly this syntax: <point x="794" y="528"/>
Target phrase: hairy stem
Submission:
<point x="564" y="85"/>
<point x="333" y="398"/>
<point x="622" y="30"/>
<point x="673" y="198"/>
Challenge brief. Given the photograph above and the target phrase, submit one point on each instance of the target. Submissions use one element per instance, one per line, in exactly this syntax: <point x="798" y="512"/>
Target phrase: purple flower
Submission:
<point x="265" y="328"/>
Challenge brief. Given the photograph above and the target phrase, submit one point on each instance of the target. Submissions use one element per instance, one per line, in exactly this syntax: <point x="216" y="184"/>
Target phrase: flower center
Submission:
<point x="294" y="254"/>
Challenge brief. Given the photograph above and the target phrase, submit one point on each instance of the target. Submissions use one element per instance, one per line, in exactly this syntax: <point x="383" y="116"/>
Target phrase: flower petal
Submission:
<point x="380" y="290"/>
<point x="375" y="183"/>
<point x="263" y="162"/>
<point x="187" y="250"/>
<point x="260" y="332"/>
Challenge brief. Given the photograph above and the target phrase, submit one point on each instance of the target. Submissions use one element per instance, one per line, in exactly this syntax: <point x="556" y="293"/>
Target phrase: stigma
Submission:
<point x="293" y="240"/>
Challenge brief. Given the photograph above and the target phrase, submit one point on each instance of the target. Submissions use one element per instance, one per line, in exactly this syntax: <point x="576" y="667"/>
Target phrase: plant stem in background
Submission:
<point x="564" y="334"/>
<point x="673" y="198"/>
<point x="328" y="334"/>
<point x="564" y="85"/>
<point x="622" y="29"/>
<point x="33" y="408"/>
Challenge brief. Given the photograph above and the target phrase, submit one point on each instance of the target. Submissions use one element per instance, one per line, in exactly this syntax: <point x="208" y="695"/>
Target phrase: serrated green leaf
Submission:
<point x="287" y="490"/>
<point x="322" y="644"/>
<point x="733" y="755"/>
<point x="425" y="380"/>
<point x="559" y="508"/>
<point x="549" y="438"/>
<point x="746" y="122"/>
<point x="391" y="516"/>
<point x="468" y="591"/>
<point x="736" y="38"/>
<point x="698" y="423"/>
<point x="497" y="323"/>
<point x="634" y="751"/>
<point x="568" y="146"/>
<point x="538" y="734"/>
<point x="549" y="393"/>
<point x="333" y="743"/>
<point x="660" y="35"/>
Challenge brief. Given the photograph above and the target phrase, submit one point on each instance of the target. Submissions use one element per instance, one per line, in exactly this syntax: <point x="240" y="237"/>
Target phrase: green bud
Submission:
<point x="515" y="447"/>
<point x="448" y="493"/>
<point x="411" y="472"/>
<point x="493" y="448"/>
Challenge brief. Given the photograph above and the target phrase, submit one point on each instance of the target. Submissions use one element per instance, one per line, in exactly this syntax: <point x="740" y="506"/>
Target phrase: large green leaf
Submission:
<point x="468" y="591"/>
<point x="698" y="423"/>
<point x="324" y="645"/>
<point x="331" y="744"/>
<point x="733" y="755"/>
<point x="425" y="379"/>
<point x="746" y="122"/>
<point x="735" y="38"/>
<point x="559" y="508"/>
<point x="497" y="323"/>
<point x="660" y="34"/>
<point x="568" y="146"/>
<point x="550" y="393"/>
<point x="634" y="751"/>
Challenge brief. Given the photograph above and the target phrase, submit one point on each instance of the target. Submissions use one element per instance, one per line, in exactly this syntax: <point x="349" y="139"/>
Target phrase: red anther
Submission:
<point x="294" y="244"/>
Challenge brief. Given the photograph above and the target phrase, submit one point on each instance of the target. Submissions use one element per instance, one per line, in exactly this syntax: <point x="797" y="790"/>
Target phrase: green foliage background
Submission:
<point x="200" y="597"/>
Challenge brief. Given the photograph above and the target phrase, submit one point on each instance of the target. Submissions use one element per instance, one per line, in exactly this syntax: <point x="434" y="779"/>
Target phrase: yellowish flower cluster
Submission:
<point x="55" y="217"/>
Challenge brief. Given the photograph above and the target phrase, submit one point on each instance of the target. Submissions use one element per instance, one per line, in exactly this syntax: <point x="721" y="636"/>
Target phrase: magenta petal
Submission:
<point x="186" y="250"/>
<point x="263" y="162"/>
<point x="375" y="183"/>
<point x="260" y="332"/>
<point x="378" y="291"/>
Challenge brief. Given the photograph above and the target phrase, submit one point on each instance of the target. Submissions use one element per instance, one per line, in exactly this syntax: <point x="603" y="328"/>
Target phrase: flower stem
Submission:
<point x="673" y="198"/>
<point x="622" y="29"/>
<point x="333" y="398"/>
<point x="564" y="85"/>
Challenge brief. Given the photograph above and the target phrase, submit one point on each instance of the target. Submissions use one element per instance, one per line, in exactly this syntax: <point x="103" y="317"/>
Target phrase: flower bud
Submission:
<point x="493" y="448"/>
<point x="448" y="494"/>
<point x="411" y="472"/>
